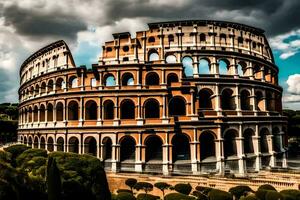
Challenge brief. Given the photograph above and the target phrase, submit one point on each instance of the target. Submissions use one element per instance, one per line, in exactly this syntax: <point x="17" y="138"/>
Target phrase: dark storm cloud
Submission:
<point x="31" y="23"/>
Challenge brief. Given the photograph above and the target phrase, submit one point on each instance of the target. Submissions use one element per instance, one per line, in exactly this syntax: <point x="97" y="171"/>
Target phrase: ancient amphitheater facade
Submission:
<point x="181" y="97"/>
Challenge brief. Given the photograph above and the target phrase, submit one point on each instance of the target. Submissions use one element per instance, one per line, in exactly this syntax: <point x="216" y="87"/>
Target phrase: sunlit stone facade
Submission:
<point x="181" y="97"/>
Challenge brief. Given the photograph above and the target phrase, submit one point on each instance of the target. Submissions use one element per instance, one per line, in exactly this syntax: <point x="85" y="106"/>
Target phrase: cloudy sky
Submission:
<point x="28" y="25"/>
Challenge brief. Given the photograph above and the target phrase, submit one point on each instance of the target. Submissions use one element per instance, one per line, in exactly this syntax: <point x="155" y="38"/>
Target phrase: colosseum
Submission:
<point x="182" y="97"/>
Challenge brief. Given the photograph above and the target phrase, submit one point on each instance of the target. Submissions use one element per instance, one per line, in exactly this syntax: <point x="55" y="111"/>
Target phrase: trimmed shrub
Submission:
<point x="273" y="195"/>
<point x="215" y="194"/>
<point x="147" y="187"/>
<point x="199" y="195"/>
<point x="125" y="196"/>
<point x="240" y="190"/>
<point x="178" y="196"/>
<point x="131" y="183"/>
<point x="162" y="186"/>
<point x="291" y="194"/>
<point x="124" y="190"/>
<point x="28" y="155"/>
<point x="144" y="196"/>
<point x="262" y="191"/>
<point x="5" y="156"/>
<point x="266" y="187"/>
<point x="7" y="191"/>
<point x="15" y="151"/>
<point x="249" y="197"/>
<point x="183" y="188"/>
<point x="204" y="190"/>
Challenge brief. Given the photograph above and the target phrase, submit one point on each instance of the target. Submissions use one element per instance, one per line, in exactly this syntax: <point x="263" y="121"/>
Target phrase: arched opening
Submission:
<point x="187" y="63"/>
<point x="127" y="151"/>
<point x="50" y="85"/>
<point x="36" y="90"/>
<point x="43" y="143"/>
<point x="30" y="114"/>
<point x="127" y="79"/>
<point x="108" y="109"/>
<point x="60" y="84"/>
<point x="152" y="78"/>
<point x="49" y="112"/>
<point x="91" y="110"/>
<point x="264" y="147"/>
<point x="151" y="39"/>
<point x="151" y="107"/>
<point x="60" y="144"/>
<point x="230" y="147"/>
<point x="110" y="80"/>
<point x="50" y="144"/>
<point x="276" y="139"/>
<point x="227" y="100"/>
<point x="177" y="106"/>
<point x="170" y="39"/>
<point x="202" y="37"/>
<point x="171" y="59"/>
<point x="153" y="55"/>
<point x="222" y="38"/>
<point x="25" y="140"/>
<point x="241" y="68"/>
<point x="42" y="113"/>
<point x="223" y="66"/>
<point x="74" y="145"/>
<point x="35" y="114"/>
<point x="90" y="146"/>
<point x="73" y="110"/>
<point x="205" y="102"/>
<point x="180" y="147"/>
<point x="270" y="101"/>
<point x="43" y="88"/>
<point x="127" y="109"/>
<point x="30" y="141"/>
<point x="248" y="142"/>
<point x="245" y="100"/>
<point x="153" y="148"/>
<point x="107" y="148"/>
<point x="207" y="147"/>
<point x="73" y="82"/>
<point x="259" y="101"/>
<point x="204" y="66"/>
<point x="172" y="78"/>
<point x="59" y="111"/>
<point x="36" y="142"/>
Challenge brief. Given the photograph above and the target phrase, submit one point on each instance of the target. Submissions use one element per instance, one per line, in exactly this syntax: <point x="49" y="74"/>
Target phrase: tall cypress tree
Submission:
<point x="53" y="180"/>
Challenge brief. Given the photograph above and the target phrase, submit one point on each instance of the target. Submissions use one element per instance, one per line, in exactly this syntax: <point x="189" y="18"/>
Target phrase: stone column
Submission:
<point x="81" y="112"/>
<point x="271" y="150"/>
<point x="240" y="151"/>
<point x="195" y="67"/>
<point x="140" y="155"/>
<point x="218" y="108"/>
<point x="166" y="159"/>
<point x="115" y="157"/>
<point x="194" y="146"/>
<point x="238" y="100"/>
<point x="251" y="74"/>
<point x="140" y="119"/>
<point x="256" y="148"/>
<point x="220" y="153"/>
<point x="117" y="112"/>
<point x="99" y="112"/>
<point x="253" y="101"/>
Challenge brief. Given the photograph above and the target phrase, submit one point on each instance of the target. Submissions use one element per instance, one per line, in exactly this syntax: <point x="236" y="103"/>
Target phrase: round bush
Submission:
<point x="124" y="190"/>
<point x="261" y="194"/>
<point x="291" y="194"/>
<point x="125" y="196"/>
<point x="240" y="190"/>
<point x="178" y="196"/>
<point x="204" y="190"/>
<point x="266" y="187"/>
<point x="199" y="195"/>
<point x="249" y="197"/>
<point x="183" y="188"/>
<point x="29" y="154"/>
<point x="5" y="156"/>
<point x="273" y="195"/>
<point x="144" y="196"/>
<point x="215" y="194"/>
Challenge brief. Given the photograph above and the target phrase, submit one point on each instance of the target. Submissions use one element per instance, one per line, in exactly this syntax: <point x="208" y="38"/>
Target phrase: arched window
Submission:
<point x="172" y="78"/>
<point x="59" y="111"/>
<point x="50" y="85"/>
<point x="42" y="113"/>
<point x="240" y="41"/>
<point x="90" y="146"/>
<point x="74" y="145"/>
<point x="127" y="150"/>
<point x="50" y="144"/>
<point x="30" y="141"/>
<point x="25" y="141"/>
<point x="127" y="79"/>
<point x="109" y="109"/>
<point x="91" y="110"/>
<point x="202" y="37"/>
<point x="187" y="63"/>
<point x="171" y="59"/>
<point x="49" y="112"/>
<point x="153" y="55"/>
<point x="248" y="142"/>
<point x="227" y="100"/>
<point x="127" y="109"/>
<point x="152" y="78"/>
<point x="60" y="144"/>
<point x="177" y="106"/>
<point x="43" y="143"/>
<point x="73" y="110"/>
<point x="276" y="139"/>
<point x="241" y="68"/>
<point x="107" y="149"/>
<point x="205" y="99"/>
<point x="264" y="147"/>
<point x="73" y="82"/>
<point x="110" y="80"/>
<point x="230" y="147"/>
<point x="204" y="67"/>
<point x="254" y="45"/>
<point x="36" y="90"/>
<point x="222" y="38"/>
<point x="181" y="147"/>
<point x="151" y="107"/>
<point x="223" y="66"/>
<point x="35" y="113"/>
<point x="43" y="88"/>
<point x="30" y="114"/>
<point x="259" y="101"/>
<point x="60" y="84"/>
<point x="270" y="101"/>
<point x="36" y="142"/>
<point x="207" y="146"/>
<point x="153" y="148"/>
<point x="170" y="38"/>
<point x="245" y="100"/>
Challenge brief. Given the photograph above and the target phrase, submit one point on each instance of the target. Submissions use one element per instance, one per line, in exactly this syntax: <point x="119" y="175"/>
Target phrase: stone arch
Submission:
<point x="59" y="108"/>
<point x="270" y="101"/>
<point x="60" y="144"/>
<point x="90" y="146"/>
<point x="177" y="106"/>
<point x="74" y="144"/>
<point x="151" y="108"/>
<point x="153" y="55"/>
<point x="230" y="145"/>
<point x="30" y="114"/>
<point x="180" y="147"/>
<point x="30" y="141"/>
<point x="259" y="100"/>
<point x="222" y="38"/>
<point x="73" y="110"/>
<point x="91" y="110"/>
<point x="205" y="98"/>
<point x="227" y="99"/>
<point x="245" y="100"/>
<point x="276" y="139"/>
<point x="241" y="68"/>
<point x="204" y="66"/>
<point x="108" y="108"/>
<point x="42" y="143"/>
<point x="154" y="151"/>
<point x="127" y="109"/>
<point x="60" y="84"/>
<point x="107" y="148"/>
<point x="127" y="148"/>
<point x="187" y="63"/>
<point x="171" y="58"/>
<point x="37" y="89"/>
<point x="109" y="80"/>
<point x="49" y="112"/>
<point x="202" y="37"/>
<point x="207" y="146"/>
<point x="25" y="140"/>
<point x="152" y="78"/>
<point x="42" y="112"/>
<point x="35" y="113"/>
<point x="43" y="88"/>
<point x="248" y="142"/>
<point x="73" y="82"/>
<point x="223" y="66"/>
<point x="263" y="133"/>
<point x="172" y="78"/>
<point x="50" y="85"/>
<point x="50" y="144"/>
<point x="127" y="79"/>
<point x="36" y="142"/>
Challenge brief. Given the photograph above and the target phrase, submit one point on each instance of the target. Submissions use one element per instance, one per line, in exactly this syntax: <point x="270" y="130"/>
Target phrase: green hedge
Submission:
<point x="215" y="194"/>
<point x="199" y="195"/>
<point x="124" y="196"/>
<point x="266" y="187"/>
<point x="15" y="151"/>
<point x="240" y="190"/>
<point x="204" y="190"/>
<point x="183" y="188"/>
<point x="249" y="197"/>
<point x="291" y="194"/>
<point x="144" y="196"/>
<point x="178" y="196"/>
<point x="273" y="195"/>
